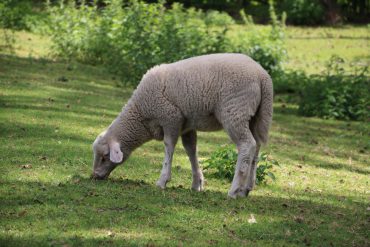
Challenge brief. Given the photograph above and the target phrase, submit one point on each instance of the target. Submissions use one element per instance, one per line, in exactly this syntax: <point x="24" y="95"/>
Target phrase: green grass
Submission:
<point x="51" y="112"/>
<point x="310" y="48"/>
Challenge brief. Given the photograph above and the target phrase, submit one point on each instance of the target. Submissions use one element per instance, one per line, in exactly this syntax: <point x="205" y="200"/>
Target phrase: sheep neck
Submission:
<point x="129" y="129"/>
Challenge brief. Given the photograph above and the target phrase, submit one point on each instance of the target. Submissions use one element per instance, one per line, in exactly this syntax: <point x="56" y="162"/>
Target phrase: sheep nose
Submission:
<point x="97" y="177"/>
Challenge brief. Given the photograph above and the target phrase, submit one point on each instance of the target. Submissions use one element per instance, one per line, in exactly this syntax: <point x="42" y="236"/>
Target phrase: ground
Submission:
<point x="51" y="112"/>
<point x="310" y="48"/>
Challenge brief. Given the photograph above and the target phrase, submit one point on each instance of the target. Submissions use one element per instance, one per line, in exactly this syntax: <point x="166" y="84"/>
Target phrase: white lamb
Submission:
<point x="205" y="93"/>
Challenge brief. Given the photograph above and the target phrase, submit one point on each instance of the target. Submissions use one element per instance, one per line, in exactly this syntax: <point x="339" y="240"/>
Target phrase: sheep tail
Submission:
<point x="261" y="121"/>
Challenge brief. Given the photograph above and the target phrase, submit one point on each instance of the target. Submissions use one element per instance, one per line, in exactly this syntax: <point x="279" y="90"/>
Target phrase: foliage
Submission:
<point x="21" y="15"/>
<point x="289" y="81"/>
<point x="7" y="44"/>
<point x="303" y="12"/>
<point x="269" y="50"/>
<point x="224" y="159"/>
<point x="300" y="12"/>
<point x="320" y="196"/>
<point x="353" y="11"/>
<point x="264" y="169"/>
<point x="217" y="18"/>
<point x="13" y="14"/>
<point x="132" y="39"/>
<point x="337" y="94"/>
<point x="265" y="46"/>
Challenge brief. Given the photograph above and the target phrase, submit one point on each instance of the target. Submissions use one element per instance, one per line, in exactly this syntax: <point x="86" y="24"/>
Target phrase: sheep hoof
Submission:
<point x="232" y="195"/>
<point x="197" y="188"/>
<point x="197" y="185"/>
<point x="243" y="193"/>
<point x="161" y="184"/>
<point x="238" y="193"/>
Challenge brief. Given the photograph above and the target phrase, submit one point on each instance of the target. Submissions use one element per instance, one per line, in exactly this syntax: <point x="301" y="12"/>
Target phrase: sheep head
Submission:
<point x="107" y="156"/>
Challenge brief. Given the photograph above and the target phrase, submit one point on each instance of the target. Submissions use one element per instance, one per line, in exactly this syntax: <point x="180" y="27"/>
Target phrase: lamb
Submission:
<point x="205" y="93"/>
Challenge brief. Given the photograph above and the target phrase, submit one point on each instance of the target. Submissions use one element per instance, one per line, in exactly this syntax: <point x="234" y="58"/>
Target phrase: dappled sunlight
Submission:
<point x="109" y="235"/>
<point x="51" y="112"/>
<point x="112" y="215"/>
<point x="116" y="233"/>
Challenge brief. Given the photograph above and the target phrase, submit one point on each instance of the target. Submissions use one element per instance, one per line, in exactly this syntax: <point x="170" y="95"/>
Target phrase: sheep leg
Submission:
<point x="189" y="141"/>
<point x="251" y="181"/>
<point x="247" y="149"/>
<point x="170" y="140"/>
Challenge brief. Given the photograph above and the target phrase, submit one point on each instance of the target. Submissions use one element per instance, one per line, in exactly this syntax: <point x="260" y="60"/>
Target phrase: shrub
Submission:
<point x="216" y="18"/>
<point x="264" y="169"/>
<point x="289" y="81"/>
<point x="132" y="39"/>
<point x="266" y="46"/>
<point x="224" y="161"/>
<point x="303" y="12"/>
<point x="22" y="15"/>
<point x="13" y="14"/>
<point x="129" y="40"/>
<point x="7" y="42"/>
<point x="337" y="94"/>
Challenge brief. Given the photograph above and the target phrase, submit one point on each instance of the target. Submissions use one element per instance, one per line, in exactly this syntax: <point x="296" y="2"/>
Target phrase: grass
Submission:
<point x="310" y="48"/>
<point x="50" y="113"/>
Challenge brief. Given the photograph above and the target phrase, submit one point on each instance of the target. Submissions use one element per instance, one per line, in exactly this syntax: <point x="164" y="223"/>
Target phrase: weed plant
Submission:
<point x="224" y="159"/>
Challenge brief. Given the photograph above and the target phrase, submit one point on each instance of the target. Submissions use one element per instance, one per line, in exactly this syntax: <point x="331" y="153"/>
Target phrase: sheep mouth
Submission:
<point x="98" y="177"/>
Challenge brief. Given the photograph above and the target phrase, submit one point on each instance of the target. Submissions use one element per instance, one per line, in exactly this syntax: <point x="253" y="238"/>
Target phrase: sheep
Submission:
<point x="204" y="93"/>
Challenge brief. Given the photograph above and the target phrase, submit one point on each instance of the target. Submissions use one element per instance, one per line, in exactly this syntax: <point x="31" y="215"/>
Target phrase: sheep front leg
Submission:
<point x="170" y="140"/>
<point x="189" y="141"/>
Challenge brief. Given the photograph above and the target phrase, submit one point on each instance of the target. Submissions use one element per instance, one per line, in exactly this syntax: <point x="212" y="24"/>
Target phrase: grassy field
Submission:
<point x="50" y="113"/>
<point x="310" y="48"/>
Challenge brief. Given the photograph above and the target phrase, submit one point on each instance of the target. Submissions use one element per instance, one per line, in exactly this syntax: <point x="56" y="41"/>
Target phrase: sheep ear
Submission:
<point x="115" y="154"/>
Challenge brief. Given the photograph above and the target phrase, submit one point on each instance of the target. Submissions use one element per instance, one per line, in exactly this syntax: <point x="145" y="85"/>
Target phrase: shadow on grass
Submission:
<point x="83" y="211"/>
<point x="56" y="100"/>
<point x="321" y="143"/>
<point x="80" y="211"/>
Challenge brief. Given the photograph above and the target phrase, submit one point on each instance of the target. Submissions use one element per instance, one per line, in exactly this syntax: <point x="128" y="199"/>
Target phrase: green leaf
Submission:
<point x="271" y="175"/>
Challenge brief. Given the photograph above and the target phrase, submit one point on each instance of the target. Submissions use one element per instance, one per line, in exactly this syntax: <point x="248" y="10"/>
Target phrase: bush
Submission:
<point x="224" y="162"/>
<point x="266" y="46"/>
<point x="7" y="42"/>
<point x="13" y="14"/>
<point x="22" y="15"/>
<point x="289" y="81"/>
<point x="337" y="94"/>
<point x="216" y="18"/>
<point x="303" y="12"/>
<point x="132" y="39"/>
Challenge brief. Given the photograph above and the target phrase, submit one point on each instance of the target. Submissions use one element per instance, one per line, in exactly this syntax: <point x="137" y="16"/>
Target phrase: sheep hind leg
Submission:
<point x="246" y="153"/>
<point x="189" y="141"/>
<point x="170" y="140"/>
<point x="251" y="180"/>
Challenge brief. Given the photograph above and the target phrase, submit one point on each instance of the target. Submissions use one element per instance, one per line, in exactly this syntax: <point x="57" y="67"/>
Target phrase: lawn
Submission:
<point x="51" y="112"/>
<point x="310" y="48"/>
